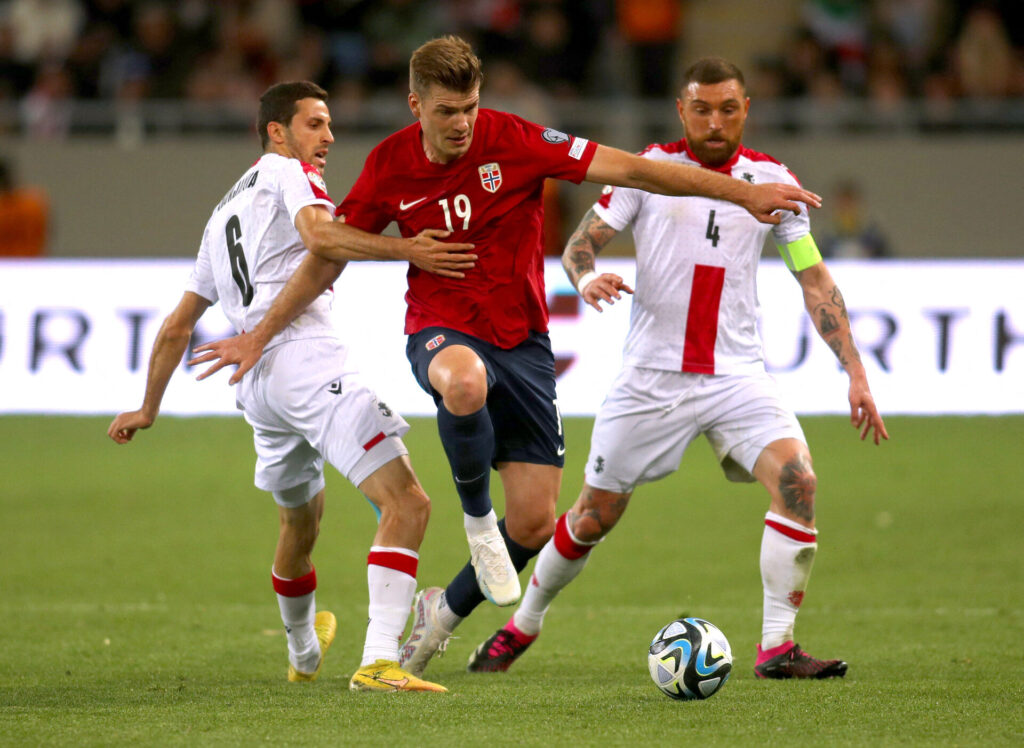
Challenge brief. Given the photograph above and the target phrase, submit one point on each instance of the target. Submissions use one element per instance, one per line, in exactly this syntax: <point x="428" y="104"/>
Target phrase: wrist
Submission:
<point x="585" y="280"/>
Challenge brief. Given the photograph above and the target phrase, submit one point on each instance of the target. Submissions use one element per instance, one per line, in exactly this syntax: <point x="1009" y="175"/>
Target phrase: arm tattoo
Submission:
<point x="838" y="301"/>
<point x="586" y="242"/>
<point x="832" y="319"/>
<point x="826" y="320"/>
<point x="797" y="484"/>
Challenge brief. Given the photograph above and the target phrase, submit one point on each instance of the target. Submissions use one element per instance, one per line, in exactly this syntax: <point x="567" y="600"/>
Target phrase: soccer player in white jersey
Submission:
<point x="693" y="364"/>
<point x="304" y="401"/>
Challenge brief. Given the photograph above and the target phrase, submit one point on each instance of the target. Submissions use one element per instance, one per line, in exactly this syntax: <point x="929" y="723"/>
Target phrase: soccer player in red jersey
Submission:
<point x="479" y="344"/>
<point x="693" y="364"/>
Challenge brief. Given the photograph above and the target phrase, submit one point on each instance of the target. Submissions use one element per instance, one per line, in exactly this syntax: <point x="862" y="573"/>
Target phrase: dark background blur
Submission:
<point x="126" y="121"/>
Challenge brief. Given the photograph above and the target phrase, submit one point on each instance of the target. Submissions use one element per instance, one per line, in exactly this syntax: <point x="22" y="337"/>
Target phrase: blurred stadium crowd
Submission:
<point x="69" y="66"/>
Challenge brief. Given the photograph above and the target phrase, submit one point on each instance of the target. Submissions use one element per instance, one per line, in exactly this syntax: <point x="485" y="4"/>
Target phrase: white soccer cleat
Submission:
<point x="428" y="635"/>
<point x="495" y="573"/>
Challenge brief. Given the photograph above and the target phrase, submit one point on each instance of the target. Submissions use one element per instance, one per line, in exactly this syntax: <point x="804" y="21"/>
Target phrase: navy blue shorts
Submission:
<point x="521" y="396"/>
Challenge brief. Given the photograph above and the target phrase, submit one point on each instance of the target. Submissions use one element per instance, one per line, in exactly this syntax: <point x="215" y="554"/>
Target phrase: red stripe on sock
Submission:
<point x="374" y="442"/>
<point x="294" y="587"/>
<point x="790" y="532"/>
<point x="564" y="543"/>
<point x="391" y="560"/>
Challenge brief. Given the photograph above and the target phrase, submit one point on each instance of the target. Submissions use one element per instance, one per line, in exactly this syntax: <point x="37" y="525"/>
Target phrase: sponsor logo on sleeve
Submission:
<point x="578" y="146"/>
<point x="316" y="180"/>
<point x="490" y="177"/>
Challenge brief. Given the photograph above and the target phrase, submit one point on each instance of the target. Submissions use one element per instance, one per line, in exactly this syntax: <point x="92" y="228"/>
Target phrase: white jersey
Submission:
<point x="695" y="306"/>
<point x="251" y="247"/>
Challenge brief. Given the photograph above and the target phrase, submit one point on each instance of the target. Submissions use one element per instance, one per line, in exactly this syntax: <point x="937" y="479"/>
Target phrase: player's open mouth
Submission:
<point x="320" y="158"/>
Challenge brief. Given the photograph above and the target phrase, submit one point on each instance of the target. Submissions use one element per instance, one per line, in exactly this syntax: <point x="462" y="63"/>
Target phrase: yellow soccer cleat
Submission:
<point x="386" y="675"/>
<point x="325" y="625"/>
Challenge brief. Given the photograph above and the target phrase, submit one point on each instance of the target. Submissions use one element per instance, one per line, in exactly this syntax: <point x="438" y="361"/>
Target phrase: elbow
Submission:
<point x="318" y="244"/>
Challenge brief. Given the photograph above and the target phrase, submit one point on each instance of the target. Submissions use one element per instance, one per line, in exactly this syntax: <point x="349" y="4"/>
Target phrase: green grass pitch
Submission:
<point x="136" y="604"/>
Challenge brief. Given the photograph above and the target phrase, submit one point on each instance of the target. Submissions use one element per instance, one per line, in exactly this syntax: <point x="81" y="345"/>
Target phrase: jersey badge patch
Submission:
<point x="316" y="180"/>
<point x="490" y="176"/>
<point x="434" y="342"/>
<point x="554" y="136"/>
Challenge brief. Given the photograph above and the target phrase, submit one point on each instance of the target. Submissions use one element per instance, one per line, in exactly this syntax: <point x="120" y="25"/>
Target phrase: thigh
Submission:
<point x="741" y="415"/>
<point x="328" y="404"/>
<point x="284" y="459"/>
<point x="424" y="346"/>
<point x="642" y="429"/>
<point x="523" y="404"/>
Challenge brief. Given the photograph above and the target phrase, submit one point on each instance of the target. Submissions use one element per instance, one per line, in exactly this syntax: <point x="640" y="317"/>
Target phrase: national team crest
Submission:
<point x="490" y="176"/>
<point x="434" y="342"/>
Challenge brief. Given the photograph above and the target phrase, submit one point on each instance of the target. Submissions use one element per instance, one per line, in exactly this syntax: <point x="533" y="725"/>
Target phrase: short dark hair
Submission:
<point x="449" y="62"/>
<point x="280" y="102"/>
<point x="708" y="70"/>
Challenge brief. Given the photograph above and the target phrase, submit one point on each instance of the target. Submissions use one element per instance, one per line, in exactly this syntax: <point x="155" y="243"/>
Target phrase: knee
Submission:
<point x="465" y="393"/>
<point x="532" y="530"/>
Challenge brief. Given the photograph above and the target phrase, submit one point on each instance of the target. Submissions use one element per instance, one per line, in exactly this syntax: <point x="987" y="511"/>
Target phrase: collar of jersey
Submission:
<point x="725" y="168"/>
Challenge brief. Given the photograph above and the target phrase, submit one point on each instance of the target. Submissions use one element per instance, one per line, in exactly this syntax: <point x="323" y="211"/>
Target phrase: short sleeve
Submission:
<point x="558" y="154"/>
<point x="302" y="185"/>
<point x="618" y="206"/>
<point x="791" y="227"/>
<point x="201" y="280"/>
<point x="361" y="208"/>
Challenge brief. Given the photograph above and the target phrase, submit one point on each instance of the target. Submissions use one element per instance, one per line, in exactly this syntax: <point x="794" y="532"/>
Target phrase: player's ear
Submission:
<point x="414" y="104"/>
<point x="276" y="132"/>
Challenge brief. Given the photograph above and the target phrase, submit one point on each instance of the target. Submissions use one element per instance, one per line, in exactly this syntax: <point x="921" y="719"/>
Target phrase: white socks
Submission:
<point x="476" y="525"/>
<point x="787" y="555"/>
<point x="297" y="600"/>
<point x="560" y="560"/>
<point x="391" y="577"/>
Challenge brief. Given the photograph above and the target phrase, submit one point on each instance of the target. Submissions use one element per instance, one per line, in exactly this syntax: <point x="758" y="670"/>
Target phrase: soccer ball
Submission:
<point x="689" y="658"/>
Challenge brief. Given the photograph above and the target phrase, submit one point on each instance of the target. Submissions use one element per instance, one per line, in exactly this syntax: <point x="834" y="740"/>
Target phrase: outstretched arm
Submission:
<point x="622" y="169"/>
<point x="169" y="347"/>
<point x="827" y="308"/>
<point x="578" y="259"/>
<point x="331" y="243"/>
<point x="337" y="241"/>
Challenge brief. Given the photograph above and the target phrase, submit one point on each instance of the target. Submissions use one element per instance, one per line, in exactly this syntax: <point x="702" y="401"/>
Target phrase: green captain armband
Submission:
<point x="801" y="254"/>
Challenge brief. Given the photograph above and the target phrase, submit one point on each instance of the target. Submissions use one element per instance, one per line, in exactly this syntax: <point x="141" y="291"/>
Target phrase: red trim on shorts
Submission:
<point x="790" y="532"/>
<point x="374" y="441"/>
<point x="294" y="587"/>
<point x="702" y="320"/>
<point x="564" y="543"/>
<point x="391" y="560"/>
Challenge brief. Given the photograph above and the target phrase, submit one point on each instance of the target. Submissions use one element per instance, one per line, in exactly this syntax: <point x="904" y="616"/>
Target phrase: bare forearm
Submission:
<point x="622" y="169"/>
<point x="828" y="312"/>
<point x="581" y="251"/>
<point x="314" y="276"/>
<point x="340" y="242"/>
<point x="676" y="179"/>
<point x="168" y="351"/>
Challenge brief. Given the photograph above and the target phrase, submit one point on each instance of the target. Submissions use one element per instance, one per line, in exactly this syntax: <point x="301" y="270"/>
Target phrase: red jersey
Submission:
<point x="490" y="197"/>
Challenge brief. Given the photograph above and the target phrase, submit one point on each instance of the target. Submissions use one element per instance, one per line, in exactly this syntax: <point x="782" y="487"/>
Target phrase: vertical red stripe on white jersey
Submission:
<point x="702" y="320"/>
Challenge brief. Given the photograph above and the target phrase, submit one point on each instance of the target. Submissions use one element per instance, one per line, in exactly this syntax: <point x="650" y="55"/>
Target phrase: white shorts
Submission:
<point x="305" y="403"/>
<point x="650" y="416"/>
